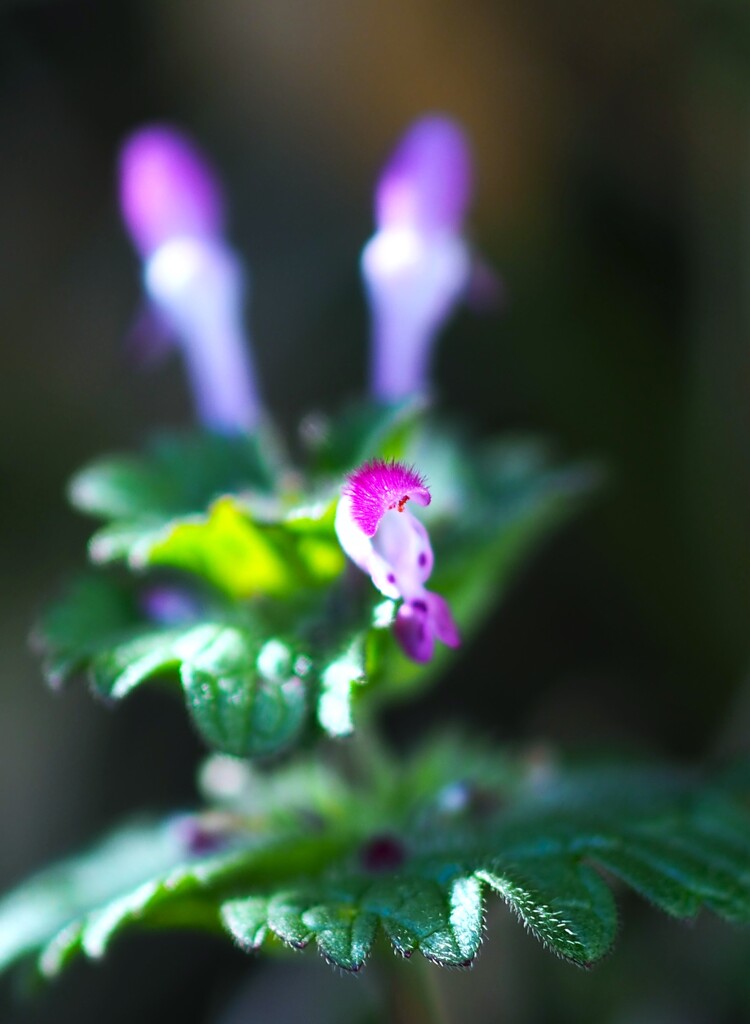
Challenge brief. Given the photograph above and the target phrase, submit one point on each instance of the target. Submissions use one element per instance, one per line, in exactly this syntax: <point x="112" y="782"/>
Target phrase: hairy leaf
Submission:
<point x="328" y="863"/>
<point x="251" y="546"/>
<point x="250" y="692"/>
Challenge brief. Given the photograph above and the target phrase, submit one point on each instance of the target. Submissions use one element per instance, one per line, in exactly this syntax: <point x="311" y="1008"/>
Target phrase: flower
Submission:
<point x="167" y="190"/>
<point x="417" y="265"/>
<point x="173" y="208"/>
<point x="169" y="605"/>
<point x="382" y="536"/>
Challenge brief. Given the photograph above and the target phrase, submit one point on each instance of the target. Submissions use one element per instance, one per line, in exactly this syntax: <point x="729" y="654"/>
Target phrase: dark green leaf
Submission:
<point x="248" y="694"/>
<point x="563" y="903"/>
<point x="363" y="432"/>
<point x="178" y="475"/>
<point x="337" y="865"/>
<point x="74" y="630"/>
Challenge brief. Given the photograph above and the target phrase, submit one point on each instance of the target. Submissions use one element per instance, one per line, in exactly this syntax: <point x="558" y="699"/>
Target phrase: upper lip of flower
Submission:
<point x="380" y="486"/>
<point x="427" y="182"/>
<point x="167" y="188"/>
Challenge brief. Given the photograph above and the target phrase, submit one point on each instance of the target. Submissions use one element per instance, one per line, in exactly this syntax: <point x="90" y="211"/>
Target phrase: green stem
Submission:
<point x="370" y="758"/>
<point x="412" y="991"/>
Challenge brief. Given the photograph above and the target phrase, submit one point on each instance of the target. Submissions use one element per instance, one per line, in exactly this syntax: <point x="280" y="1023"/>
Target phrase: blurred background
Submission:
<point x="613" y="151"/>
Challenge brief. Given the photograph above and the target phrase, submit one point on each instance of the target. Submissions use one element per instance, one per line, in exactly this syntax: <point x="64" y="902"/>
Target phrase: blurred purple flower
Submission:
<point x="172" y="206"/>
<point x="167" y="189"/>
<point x="385" y="540"/>
<point x="169" y="605"/>
<point x="418" y="265"/>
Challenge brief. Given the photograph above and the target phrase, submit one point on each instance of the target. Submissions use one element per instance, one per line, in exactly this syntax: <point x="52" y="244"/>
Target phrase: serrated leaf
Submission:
<point x="247" y="921"/>
<point x="52" y="906"/>
<point x="652" y="877"/>
<point x="401" y="861"/>
<point x="442" y="920"/>
<point x="564" y="904"/>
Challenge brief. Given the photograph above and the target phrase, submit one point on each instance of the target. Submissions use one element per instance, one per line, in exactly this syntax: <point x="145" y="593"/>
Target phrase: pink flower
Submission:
<point x="381" y="535"/>
<point x="173" y="208"/>
<point x="428" y="181"/>
<point x="418" y="265"/>
<point x="377" y="487"/>
<point x="167" y="189"/>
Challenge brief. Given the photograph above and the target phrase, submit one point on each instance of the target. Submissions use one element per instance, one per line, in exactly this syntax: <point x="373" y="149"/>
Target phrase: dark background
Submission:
<point x="613" y="150"/>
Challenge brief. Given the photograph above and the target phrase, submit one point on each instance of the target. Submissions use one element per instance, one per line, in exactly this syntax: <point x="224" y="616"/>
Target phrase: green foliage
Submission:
<point x="177" y="475"/>
<point x="247" y="691"/>
<point x="308" y="855"/>
<point x="250" y="543"/>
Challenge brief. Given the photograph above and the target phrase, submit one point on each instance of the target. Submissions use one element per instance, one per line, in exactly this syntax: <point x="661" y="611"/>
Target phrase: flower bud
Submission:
<point x="417" y="265"/>
<point x="172" y="205"/>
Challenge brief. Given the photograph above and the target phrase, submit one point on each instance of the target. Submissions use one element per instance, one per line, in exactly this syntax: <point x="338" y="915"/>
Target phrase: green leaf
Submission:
<point x="566" y="905"/>
<point x="56" y="902"/>
<point x="245" y="701"/>
<point x="363" y="432"/>
<point x="73" y="630"/>
<point x="249" y="691"/>
<point x="178" y="475"/>
<point x="225" y="547"/>
<point x="315" y="860"/>
<point x="242" y="557"/>
<point x="230" y="549"/>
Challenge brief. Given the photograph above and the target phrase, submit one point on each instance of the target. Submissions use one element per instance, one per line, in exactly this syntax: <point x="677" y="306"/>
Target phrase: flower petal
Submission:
<point x="441" y="620"/>
<point x="404" y="545"/>
<point x="427" y="182"/>
<point x="361" y="550"/>
<point x="412" y="629"/>
<point x="380" y="486"/>
<point x="167" y="189"/>
<point x="423" y="620"/>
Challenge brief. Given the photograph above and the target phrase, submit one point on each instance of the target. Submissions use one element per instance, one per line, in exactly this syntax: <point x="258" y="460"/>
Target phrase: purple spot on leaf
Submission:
<point x="382" y="854"/>
<point x="198" y="838"/>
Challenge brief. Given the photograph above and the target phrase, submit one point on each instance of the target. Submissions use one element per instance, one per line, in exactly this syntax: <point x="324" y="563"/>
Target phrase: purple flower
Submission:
<point x="169" y="605"/>
<point x="172" y="206"/>
<point x="382" y="537"/>
<point x="417" y="265"/>
<point x="421" y="621"/>
<point x="167" y="189"/>
<point x="427" y="183"/>
<point x="378" y="487"/>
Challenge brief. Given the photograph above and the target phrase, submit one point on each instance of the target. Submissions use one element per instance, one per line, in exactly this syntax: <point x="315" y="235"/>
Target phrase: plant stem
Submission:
<point x="369" y="756"/>
<point x="412" y="993"/>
